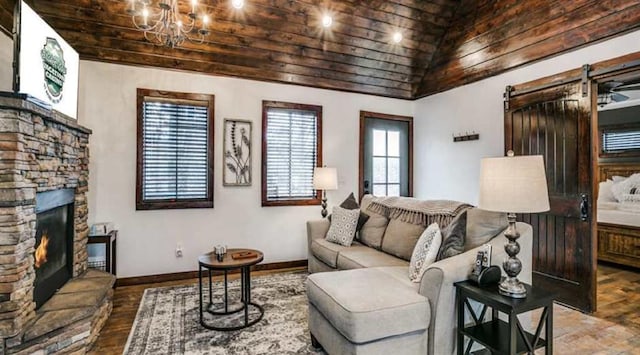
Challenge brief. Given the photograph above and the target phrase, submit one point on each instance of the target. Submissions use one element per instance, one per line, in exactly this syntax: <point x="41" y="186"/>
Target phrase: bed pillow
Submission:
<point x="605" y="193"/>
<point x="425" y="252"/>
<point x="622" y="188"/>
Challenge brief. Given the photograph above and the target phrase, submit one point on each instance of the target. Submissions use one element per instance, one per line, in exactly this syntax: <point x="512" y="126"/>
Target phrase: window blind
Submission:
<point x="619" y="141"/>
<point x="175" y="161"/>
<point x="291" y="153"/>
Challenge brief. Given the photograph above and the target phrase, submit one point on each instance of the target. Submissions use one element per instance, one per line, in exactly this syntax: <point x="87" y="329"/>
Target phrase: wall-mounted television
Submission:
<point x="45" y="65"/>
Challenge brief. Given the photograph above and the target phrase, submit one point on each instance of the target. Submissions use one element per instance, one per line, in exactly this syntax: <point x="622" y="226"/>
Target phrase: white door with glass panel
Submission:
<point x="386" y="158"/>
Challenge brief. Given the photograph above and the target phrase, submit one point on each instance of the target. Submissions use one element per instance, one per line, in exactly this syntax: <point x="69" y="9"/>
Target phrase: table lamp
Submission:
<point x="325" y="179"/>
<point x="513" y="185"/>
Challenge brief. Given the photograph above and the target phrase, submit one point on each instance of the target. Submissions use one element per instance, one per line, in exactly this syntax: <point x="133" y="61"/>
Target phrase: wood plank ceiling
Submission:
<point x="447" y="43"/>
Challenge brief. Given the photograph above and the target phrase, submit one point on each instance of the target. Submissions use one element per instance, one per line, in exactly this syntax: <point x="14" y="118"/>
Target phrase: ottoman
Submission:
<point x="367" y="311"/>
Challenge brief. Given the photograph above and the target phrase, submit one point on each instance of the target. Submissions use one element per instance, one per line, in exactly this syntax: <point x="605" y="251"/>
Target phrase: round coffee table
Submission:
<point x="210" y="262"/>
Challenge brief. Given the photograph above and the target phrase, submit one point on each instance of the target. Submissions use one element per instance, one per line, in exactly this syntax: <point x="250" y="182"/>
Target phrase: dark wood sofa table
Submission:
<point x="499" y="336"/>
<point x="210" y="263"/>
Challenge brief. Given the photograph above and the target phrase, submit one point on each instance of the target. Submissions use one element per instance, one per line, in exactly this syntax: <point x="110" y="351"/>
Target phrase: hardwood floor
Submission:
<point x="619" y="295"/>
<point x="618" y="300"/>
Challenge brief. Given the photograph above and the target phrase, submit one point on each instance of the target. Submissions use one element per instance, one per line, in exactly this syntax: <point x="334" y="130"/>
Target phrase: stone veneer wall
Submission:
<point x="40" y="151"/>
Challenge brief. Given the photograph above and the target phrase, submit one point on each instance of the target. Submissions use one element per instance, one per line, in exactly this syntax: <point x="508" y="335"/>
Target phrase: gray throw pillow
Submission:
<point x="482" y="226"/>
<point x="350" y="203"/>
<point x="453" y="237"/>
<point x="343" y="226"/>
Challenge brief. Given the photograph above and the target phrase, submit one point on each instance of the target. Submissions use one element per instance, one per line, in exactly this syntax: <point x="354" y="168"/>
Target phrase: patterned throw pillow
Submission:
<point x="425" y="252"/>
<point x="343" y="226"/>
<point x="351" y="203"/>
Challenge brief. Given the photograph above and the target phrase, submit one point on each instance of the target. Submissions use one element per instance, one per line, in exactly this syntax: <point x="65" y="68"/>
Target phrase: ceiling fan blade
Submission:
<point x="616" y="97"/>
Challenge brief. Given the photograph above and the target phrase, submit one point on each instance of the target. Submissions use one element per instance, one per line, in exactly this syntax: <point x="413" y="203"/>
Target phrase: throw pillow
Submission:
<point x="350" y="203"/>
<point x="453" y="237"/>
<point x="343" y="226"/>
<point x="482" y="226"/>
<point x="425" y="252"/>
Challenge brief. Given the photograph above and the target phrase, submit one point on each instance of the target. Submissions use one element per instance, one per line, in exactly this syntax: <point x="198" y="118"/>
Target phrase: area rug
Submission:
<point x="168" y="320"/>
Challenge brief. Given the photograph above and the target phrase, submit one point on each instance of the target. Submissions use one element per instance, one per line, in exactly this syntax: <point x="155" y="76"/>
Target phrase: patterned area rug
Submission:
<point x="168" y="320"/>
<point x="168" y="323"/>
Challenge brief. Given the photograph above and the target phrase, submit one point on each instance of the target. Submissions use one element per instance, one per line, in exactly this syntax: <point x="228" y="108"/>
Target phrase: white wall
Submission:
<point x="147" y="239"/>
<point x="6" y="63"/>
<point x="444" y="169"/>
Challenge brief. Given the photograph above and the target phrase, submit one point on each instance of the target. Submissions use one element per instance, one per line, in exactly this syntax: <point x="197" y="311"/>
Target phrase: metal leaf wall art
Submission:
<point x="237" y="153"/>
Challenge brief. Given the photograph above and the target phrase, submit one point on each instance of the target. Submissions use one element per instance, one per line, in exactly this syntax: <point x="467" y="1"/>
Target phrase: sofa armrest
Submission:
<point x="437" y="285"/>
<point x="316" y="229"/>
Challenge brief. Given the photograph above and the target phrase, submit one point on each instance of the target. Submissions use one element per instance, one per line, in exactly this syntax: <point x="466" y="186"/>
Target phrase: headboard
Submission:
<point x="609" y="170"/>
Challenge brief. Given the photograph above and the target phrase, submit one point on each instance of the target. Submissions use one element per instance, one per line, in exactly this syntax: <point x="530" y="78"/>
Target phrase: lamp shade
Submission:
<point x="325" y="179"/>
<point x="514" y="184"/>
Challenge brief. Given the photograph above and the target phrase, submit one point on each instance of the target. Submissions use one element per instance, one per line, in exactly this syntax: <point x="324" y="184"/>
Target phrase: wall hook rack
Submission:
<point x="473" y="136"/>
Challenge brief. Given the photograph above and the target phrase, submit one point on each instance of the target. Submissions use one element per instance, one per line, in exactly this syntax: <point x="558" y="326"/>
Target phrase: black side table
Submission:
<point x="498" y="336"/>
<point x="109" y="241"/>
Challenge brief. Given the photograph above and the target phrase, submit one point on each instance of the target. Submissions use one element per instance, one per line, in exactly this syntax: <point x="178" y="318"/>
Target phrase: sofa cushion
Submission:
<point x="344" y="299"/>
<point x="343" y="226"/>
<point x="400" y="238"/>
<point x="373" y="230"/>
<point x="355" y="258"/>
<point x="327" y="252"/>
<point x="482" y="226"/>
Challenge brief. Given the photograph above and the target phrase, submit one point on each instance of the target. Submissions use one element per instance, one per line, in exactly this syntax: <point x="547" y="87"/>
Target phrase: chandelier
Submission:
<point x="164" y="25"/>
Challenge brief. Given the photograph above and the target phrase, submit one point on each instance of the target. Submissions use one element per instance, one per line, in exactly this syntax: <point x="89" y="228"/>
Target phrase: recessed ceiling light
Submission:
<point x="327" y="21"/>
<point x="238" y="4"/>
<point x="397" y="37"/>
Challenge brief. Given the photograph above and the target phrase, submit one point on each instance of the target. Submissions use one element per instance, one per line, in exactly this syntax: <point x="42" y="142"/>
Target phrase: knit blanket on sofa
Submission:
<point x="420" y="212"/>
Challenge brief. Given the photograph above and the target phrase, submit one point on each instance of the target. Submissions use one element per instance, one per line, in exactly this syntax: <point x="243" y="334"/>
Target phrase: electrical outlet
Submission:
<point x="179" y="250"/>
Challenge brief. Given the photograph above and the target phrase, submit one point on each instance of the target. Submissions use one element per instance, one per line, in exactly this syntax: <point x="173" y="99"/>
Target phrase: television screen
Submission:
<point x="48" y="66"/>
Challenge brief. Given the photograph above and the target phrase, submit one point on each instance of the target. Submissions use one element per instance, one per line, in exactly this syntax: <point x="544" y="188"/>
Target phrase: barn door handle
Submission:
<point x="366" y="187"/>
<point x="584" y="207"/>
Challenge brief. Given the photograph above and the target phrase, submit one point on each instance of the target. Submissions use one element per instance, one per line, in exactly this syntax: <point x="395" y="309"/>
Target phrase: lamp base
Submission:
<point x="324" y="212"/>
<point x="512" y="287"/>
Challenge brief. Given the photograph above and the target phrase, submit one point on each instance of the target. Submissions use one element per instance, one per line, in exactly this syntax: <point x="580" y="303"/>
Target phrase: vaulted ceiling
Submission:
<point x="446" y="43"/>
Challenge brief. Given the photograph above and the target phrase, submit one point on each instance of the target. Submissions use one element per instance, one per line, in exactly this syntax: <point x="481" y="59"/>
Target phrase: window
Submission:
<point x="620" y="141"/>
<point x="291" y="149"/>
<point x="175" y="150"/>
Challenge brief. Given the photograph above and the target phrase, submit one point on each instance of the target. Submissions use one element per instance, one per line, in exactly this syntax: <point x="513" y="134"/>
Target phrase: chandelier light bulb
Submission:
<point x="397" y="37"/>
<point x="327" y="21"/>
<point x="238" y="4"/>
<point x="205" y="19"/>
<point x="179" y="24"/>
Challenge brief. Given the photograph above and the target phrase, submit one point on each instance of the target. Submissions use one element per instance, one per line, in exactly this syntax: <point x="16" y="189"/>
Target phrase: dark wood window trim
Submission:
<point x="292" y="106"/>
<point x="384" y="116"/>
<point x="202" y="99"/>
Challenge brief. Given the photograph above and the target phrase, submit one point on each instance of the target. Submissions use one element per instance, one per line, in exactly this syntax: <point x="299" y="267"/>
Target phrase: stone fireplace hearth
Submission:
<point x="45" y="156"/>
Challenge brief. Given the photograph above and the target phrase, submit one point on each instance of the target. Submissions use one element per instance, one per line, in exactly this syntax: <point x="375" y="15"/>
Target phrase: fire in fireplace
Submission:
<point x="53" y="257"/>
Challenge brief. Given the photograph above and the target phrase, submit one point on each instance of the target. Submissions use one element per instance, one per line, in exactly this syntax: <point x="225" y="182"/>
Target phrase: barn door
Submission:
<point x="555" y="122"/>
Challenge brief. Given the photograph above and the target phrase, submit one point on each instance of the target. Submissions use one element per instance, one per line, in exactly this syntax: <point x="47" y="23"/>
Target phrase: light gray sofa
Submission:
<point x="371" y="307"/>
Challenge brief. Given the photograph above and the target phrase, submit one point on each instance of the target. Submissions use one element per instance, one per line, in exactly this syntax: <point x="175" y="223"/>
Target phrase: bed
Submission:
<point x="618" y="223"/>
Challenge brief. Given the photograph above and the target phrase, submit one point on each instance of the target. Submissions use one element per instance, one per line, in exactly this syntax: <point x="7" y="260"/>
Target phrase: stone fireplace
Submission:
<point x="49" y="301"/>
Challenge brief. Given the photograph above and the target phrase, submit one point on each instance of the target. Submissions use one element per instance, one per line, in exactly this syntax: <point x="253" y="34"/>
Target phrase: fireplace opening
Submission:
<point x="53" y="256"/>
